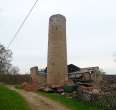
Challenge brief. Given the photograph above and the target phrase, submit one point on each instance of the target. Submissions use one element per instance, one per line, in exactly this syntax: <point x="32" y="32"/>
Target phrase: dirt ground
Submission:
<point x="37" y="102"/>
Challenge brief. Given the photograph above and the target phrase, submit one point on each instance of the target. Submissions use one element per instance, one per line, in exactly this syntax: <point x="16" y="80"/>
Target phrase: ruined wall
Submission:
<point x="34" y="72"/>
<point x="57" y="52"/>
<point x="39" y="79"/>
<point x="42" y="80"/>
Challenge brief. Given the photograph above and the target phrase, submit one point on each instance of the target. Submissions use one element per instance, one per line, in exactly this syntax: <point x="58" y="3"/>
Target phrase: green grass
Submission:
<point x="11" y="100"/>
<point x="71" y="103"/>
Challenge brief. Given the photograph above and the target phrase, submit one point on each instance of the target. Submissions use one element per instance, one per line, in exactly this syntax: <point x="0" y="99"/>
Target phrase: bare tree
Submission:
<point x="5" y="59"/>
<point x="14" y="70"/>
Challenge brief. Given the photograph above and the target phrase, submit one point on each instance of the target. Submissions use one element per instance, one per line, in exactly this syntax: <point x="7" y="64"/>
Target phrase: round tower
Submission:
<point x="57" y="52"/>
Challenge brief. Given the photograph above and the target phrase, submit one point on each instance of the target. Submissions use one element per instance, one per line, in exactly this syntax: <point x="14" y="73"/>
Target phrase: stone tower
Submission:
<point x="57" y="52"/>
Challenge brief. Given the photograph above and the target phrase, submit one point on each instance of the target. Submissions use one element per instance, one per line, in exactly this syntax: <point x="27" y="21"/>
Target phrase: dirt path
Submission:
<point x="38" y="102"/>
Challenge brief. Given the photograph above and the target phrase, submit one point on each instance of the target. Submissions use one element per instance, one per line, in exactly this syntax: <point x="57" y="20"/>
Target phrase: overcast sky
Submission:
<point x="91" y="31"/>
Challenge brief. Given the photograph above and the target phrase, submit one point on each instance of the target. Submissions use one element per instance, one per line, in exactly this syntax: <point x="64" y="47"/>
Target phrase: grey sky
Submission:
<point x="91" y="31"/>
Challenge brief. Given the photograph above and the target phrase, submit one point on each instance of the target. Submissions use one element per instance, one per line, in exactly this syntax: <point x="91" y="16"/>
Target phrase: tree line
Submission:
<point x="8" y="73"/>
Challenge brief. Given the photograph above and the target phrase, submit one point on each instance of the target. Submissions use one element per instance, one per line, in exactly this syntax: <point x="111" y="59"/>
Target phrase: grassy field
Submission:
<point x="73" y="104"/>
<point x="10" y="100"/>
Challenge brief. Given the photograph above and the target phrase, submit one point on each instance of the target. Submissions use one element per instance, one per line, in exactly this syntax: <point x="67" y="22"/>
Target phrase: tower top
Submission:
<point x="58" y="17"/>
